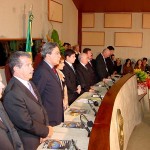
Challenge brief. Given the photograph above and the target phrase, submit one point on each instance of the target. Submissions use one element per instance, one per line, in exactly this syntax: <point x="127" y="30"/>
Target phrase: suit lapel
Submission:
<point x="2" y="115"/>
<point x="26" y="90"/>
<point x="52" y="73"/>
<point x="69" y="68"/>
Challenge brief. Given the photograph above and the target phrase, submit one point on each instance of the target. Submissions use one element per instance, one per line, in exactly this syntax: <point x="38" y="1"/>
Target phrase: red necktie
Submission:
<point x="54" y="70"/>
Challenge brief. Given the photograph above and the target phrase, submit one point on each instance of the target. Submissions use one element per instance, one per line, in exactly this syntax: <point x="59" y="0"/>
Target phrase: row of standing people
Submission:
<point x="56" y="83"/>
<point x="34" y="107"/>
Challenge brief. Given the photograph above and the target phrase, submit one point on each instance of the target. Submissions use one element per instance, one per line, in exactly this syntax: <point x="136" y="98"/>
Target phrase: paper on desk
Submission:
<point x="82" y="100"/>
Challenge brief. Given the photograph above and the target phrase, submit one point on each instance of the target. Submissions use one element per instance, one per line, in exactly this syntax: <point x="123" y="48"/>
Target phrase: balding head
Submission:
<point x="106" y="53"/>
<point x="83" y="58"/>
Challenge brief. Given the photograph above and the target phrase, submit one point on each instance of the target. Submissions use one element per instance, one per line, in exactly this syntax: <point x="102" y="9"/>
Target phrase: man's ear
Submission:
<point x="48" y="55"/>
<point x="16" y="68"/>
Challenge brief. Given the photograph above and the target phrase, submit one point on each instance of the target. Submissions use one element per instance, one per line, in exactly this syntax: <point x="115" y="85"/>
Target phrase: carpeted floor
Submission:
<point x="140" y="137"/>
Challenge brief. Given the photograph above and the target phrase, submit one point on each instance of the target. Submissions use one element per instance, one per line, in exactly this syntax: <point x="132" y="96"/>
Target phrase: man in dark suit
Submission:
<point x="48" y="83"/>
<point x="23" y="103"/>
<point x="72" y="82"/>
<point x="84" y="74"/>
<point x="101" y="65"/>
<point x="91" y="65"/>
<point x="9" y="138"/>
<point x="110" y="63"/>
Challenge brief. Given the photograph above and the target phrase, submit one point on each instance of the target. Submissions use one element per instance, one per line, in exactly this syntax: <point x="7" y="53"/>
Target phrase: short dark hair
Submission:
<point x="145" y="58"/>
<point x="14" y="59"/>
<point x="66" y="44"/>
<point x="85" y="50"/>
<point x="47" y="48"/>
<point x="110" y="47"/>
<point x="69" y="52"/>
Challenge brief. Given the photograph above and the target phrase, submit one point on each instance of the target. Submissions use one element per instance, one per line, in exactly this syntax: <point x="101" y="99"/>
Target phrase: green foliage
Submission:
<point x="141" y="75"/>
<point x="55" y="38"/>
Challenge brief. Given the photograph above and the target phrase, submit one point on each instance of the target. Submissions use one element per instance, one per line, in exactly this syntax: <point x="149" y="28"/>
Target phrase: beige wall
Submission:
<point x="14" y="18"/>
<point x="122" y="52"/>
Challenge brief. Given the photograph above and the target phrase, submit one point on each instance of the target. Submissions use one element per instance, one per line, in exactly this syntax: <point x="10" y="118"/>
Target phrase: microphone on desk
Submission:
<point x="106" y="86"/>
<point x="99" y="95"/>
<point x="86" y="125"/>
<point x="93" y="102"/>
<point x="92" y="106"/>
<point x="113" y="80"/>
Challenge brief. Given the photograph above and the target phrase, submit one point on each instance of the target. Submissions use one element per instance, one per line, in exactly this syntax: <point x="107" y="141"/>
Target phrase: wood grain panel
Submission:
<point x="93" y="38"/>
<point x="88" y="20"/>
<point x="146" y="21"/>
<point x="128" y="39"/>
<point x="118" y="20"/>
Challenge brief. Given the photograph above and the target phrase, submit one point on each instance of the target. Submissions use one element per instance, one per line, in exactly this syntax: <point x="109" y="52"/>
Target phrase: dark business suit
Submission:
<point x="101" y="67"/>
<point x="72" y="82"/>
<point x="92" y="70"/>
<point x="51" y="92"/>
<point x="110" y="65"/>
<point x="84" y="77"/>
<point x="26" y="112"/>
<point x="9" y="138"/>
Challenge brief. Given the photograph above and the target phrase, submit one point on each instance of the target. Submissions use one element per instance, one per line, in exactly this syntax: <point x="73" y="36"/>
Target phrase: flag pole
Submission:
<point x="29" y="42"/>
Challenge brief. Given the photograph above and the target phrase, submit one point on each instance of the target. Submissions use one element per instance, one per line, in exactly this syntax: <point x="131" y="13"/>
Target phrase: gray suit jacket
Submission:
<point x="9" y="138"/>
<point x="27" y="114"/>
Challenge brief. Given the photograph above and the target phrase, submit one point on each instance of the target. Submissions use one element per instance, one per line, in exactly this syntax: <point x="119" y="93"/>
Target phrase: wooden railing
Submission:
<point x="100" y="135"/>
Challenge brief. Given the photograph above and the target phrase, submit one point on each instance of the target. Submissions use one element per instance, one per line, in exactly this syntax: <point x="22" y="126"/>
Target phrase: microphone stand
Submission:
<point x="88" y="123"/>
<point x="113" y="80"/>
<point x="92" y="107"/>
<point x="107" y="86"/>
<point x="74" y="144"/>
<point x="99" y="95"/>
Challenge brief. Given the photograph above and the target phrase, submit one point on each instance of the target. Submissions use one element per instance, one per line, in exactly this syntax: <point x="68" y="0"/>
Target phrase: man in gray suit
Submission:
<point x="23" y="103"/>
<point x="9" y="138"/>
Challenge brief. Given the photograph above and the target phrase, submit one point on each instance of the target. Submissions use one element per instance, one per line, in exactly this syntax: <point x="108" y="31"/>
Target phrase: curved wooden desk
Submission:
<point x="122" y="95"/>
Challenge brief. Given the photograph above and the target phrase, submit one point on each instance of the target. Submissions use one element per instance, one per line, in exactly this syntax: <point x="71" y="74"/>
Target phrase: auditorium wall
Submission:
<point x="14" y="19"/>
<point x="133" y="52"/>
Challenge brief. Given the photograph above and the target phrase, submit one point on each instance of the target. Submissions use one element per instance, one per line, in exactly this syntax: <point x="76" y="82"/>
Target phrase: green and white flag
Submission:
<point x="29" y="42"/>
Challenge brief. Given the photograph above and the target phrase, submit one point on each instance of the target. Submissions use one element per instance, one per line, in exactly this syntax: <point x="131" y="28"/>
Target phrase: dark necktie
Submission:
<point x="90" y="63"/>
<point x="54" y="70"/>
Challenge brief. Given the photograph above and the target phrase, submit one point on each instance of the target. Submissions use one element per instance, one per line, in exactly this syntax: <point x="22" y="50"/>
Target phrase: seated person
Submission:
<point x="84" y="74"/>
<point x="145" y="65"/>
<point x="118" y="65"/>
<point x="127" y="67"/>
<point x="139" y="65"/>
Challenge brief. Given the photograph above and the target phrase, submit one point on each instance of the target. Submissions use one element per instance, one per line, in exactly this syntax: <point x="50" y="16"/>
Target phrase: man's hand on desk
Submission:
<point x="78" y="89"/>
<point x="91" y="89"/>
<point x="65" y="103"/>
<point x="50" y="133"/>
